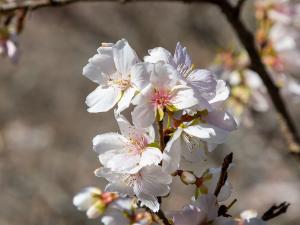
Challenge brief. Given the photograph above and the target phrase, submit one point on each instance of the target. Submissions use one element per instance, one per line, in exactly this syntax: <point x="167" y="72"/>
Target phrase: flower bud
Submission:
<point x="188" y="177"/>
<point x="96" y="210"/>
<point x="86" y="198"/>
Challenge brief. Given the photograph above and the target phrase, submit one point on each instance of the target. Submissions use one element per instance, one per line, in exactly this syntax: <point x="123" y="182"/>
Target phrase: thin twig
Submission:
<point x="160" y="127"/>
<point x="275" y="210"/>
<point x="223" y="176"/>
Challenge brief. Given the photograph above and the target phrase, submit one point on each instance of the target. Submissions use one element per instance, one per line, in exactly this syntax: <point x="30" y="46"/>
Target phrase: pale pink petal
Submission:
<point x="103" y="99"/>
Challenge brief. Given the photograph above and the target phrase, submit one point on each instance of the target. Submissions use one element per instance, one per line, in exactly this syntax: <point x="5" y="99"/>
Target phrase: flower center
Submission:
<point x="130" y="179"/>
<point x="121" y="83"/>
<point x="184" y="70"/>
<point x="138" y="144"/>
<point x="160" y="98"/>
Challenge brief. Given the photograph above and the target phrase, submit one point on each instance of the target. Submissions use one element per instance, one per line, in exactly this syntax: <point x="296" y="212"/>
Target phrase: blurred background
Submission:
<point x="45" y="132"/>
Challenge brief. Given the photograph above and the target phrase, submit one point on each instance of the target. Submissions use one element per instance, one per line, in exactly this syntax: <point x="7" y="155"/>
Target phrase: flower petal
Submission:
<point x="125" y="99"/>
<point x="221" y="119"/>
<point x="124" y="56"/>
<point x="150" y="156"/>
<point x="102" y="99"/>
<point x="109" y="141"/>
<point x="183" y="97"/>
<point x="159" y="54"/>
<point x="100" y="66"/>
<point x="172" y="153"/>
<point x="143" y="115"/>
<point x="140" y="74"/>
<point x="207" y="132"/>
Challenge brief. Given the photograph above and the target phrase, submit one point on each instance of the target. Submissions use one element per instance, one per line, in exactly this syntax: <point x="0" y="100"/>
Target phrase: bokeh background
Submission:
<point x="45" y="131"/>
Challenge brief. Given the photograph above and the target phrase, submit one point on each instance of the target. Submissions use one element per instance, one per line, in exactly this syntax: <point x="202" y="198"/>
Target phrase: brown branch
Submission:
<point x="275" y="210"/>
<point x="35" y="4"/>
<point x="223" y="176"/>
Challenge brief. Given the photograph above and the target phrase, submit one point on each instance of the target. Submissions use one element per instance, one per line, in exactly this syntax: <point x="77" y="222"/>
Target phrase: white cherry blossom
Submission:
<point x="128" y="150"/>
<point x="147" y="183"/>
<point x="159" y="88"/>
<point x="209" y="89"/>
<point x="194" y="139"/>
<point x="110" y="69"/>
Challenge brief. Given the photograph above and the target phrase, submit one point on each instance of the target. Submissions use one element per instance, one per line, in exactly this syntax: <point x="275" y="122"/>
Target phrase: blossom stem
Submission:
<point x="160" y="127"/>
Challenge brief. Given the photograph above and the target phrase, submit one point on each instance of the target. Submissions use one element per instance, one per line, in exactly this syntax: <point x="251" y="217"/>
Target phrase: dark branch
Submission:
<point x="35" y="4"/>
<point x="239" y="6"/>
<point x="223" y="176"/>
<point x="275" y="210"/>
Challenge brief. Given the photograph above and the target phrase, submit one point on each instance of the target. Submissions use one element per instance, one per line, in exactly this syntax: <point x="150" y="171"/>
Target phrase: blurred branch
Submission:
<point x="232" y="14"/>
<point x="34" y="4"/>
<point x="275" y="211"/>
<point x="223" y="175"/>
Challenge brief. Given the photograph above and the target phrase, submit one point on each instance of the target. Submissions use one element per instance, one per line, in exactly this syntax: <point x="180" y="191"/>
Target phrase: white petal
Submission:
<point x="156" y="174"/>
<point x="124" y="56"/>
<point x="84" y="199"/>
<point x="151" y="156"/>
<point x="203" y="80"/>
<point x="172" y="153"/>
<point x="105" y="157"/>
<point x="163" y="76"/>
<point x="159" y="54"/>
<point x="193" y="149"/>
<point x="207" y="132"/>
<point x="221" y="119"/>
<point x="124" y="162"/>
<point x="190" y="215"/>
<point x="125" y="99"/>
<point x="143" y="115"/>
<point x="222" y="92"/>
<point x="150" y="201"/>
<point x="99" y="67"/>
<point x="183" y="97"/>
<point x="103" y="99"/>
<point x="181" y="57"/>
<point x="109" y="141"/>
<point x="140" y="74"/>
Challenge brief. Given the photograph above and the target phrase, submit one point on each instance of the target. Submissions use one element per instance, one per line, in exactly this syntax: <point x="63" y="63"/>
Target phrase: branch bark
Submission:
<point x="275" y="210"/>
<point x="247" y="39"/>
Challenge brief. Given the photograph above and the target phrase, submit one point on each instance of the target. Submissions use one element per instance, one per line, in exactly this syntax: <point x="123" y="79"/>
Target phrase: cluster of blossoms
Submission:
<point x="11" y="24"/>
<point x="178" y="114"/>
<point x="278" y="39"/>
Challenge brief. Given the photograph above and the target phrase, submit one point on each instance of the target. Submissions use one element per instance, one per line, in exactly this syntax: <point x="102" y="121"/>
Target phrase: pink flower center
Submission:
<point x="138" y="144"/>
<point x="160" y="98"/>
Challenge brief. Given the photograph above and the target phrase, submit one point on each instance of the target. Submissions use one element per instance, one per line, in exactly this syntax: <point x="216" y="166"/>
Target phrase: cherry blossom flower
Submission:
<point x="110" y="68"/>
<point x="128" y="150"/>
<point x="147" y="183"/>
<point x="194" y="139"/>
<point x="209" y="90"/>
<point x="159" y="89"/>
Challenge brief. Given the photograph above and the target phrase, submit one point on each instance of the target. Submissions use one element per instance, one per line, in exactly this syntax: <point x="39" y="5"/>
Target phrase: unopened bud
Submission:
<point x="188" y="177"/>
<point x="96" y="210"/>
